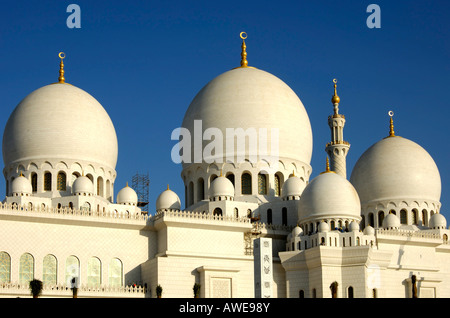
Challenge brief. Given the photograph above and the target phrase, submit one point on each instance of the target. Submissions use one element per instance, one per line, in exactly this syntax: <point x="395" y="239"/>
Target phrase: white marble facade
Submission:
<point x="256" y="228"/>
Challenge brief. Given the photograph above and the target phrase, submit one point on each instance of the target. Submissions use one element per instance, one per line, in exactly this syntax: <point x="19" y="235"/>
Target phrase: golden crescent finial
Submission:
<point x="391" y="124"/>
<point x="244" y="62"/>
<point x="335" y="99"/>
<point x="61" y="78"/>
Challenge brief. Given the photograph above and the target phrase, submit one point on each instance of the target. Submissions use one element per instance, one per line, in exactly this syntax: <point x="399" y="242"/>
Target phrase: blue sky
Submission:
<point x="144" y="61"/>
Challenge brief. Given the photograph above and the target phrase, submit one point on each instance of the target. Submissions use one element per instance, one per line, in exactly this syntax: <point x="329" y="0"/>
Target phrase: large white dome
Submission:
<point x="60" y="122"/>
<point x="396" y="168"/>
<point x="251" y="98"/>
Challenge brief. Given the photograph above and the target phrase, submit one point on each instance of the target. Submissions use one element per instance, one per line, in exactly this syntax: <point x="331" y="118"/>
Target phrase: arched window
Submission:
<point x="72" y="271"/>
<point x="94" y="272"/>
<point x="230" y="177"/>
<point x="314" y="293"/>
<point x="47" y="181"/>
<point x="424" y="217"/>
<point x="380" y="218"/>
<point x="371" y="223"/>
<point x="61" y="181"/>
<point x="301" y="293"/>
<point x="284" y="216"/>
<point x="86" y="206"/>
<point x="236" y="212"/>
<point x="34" y="181"/>
<point x="262" y="183"/>
<point x="49" y="270"/>
<point x="403" y="217"/>
<point x="217" y="212"/>
<point x="115" y="271"/>
<point x="200" y="189"/>
<point x="350" y="292"/>
<point x="269" y="216"/>
<point x="5" y="267"/>
<point x="246" y="183"/>
<point x="26" y="268"/>
<point x="414" y="216"/>
<point x="374" y="293"/>
<point x="277" y="185"/>
<point x="100" y="191"/>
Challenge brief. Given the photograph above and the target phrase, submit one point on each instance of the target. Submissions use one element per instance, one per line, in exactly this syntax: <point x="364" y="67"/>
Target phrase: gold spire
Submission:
<point x="168" y="187"/>
<point x="335" y="99"/>
<point x="244" y="62"/>
<point x="391" y="125"/>
<point x="61" y="78"/>
<point x="327" y="167"/>
<point x="127" y="185"/>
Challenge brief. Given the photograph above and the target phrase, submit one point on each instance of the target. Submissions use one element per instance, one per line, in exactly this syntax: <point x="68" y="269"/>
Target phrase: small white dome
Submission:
<point x="369" y="230"/>
<point x="354" y="227"/>
<point x="82" y="184"/>
<point x="391" y="221"/>
<point x="323" y="227"/>
<point x="297" y="231"/>
<point x="168" y="200"/>
<point x="21" y="185"/>
<point x="127" y="196"/>
<point x="438" y="221"/>
<point x="221" y="186"/>
<point x="328" y="196"/>
<point x="293" y="186"/>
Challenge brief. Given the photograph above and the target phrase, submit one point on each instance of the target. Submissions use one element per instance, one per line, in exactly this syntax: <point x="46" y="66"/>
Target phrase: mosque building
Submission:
<point x="250" y="228"/>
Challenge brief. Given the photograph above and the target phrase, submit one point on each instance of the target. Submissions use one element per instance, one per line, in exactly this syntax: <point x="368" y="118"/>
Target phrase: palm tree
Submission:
<point x="334" y="287"/>
<point x="36" y="287"/>
<point x="159" y="291"/>
<point x="196" y="290"/>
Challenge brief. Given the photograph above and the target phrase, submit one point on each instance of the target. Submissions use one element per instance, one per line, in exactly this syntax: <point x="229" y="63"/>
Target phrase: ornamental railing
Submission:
<point x="409" y="233"/>
<point x="62" y="290"/>
<point x="66" y="211"/>
<point x="192" y="215"/>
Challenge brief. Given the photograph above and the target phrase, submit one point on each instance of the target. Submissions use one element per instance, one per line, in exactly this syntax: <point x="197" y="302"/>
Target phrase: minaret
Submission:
<point x="337" y="149"/>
